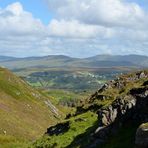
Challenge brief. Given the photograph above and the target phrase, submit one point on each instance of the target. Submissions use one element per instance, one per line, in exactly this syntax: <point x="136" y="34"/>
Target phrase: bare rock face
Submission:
<point x="118" y="108"/>
<point x="142" y="136"/>
<point x="134" y="107"/>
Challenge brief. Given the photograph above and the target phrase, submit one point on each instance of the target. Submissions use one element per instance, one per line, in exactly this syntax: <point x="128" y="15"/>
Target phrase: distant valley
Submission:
<point x="72" y="74"/>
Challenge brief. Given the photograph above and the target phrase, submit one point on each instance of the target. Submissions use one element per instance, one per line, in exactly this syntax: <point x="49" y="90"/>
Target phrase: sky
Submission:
<point x="77" y="28"/>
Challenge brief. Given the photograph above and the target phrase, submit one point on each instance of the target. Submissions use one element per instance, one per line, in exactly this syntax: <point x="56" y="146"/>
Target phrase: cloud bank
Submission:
<point x="79" y="28"/>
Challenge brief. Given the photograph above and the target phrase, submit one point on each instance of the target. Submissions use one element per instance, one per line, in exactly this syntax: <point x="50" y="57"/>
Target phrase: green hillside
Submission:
<point x="24" y="112"/>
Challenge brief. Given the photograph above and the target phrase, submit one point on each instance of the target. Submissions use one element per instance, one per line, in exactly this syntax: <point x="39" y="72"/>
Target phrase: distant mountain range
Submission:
<point x="52" y="61"/>
<point x="6" y="58"/>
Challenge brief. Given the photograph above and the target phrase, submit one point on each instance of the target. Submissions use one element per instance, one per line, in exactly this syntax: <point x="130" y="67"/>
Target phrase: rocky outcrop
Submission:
<point x="125" y="100"/>
<point x="116" y="110"/>
<point x="118" y="83"/>
<point x="54" y="110"/>
<point x="132" y="106"/>
<point x="142" y="136"/>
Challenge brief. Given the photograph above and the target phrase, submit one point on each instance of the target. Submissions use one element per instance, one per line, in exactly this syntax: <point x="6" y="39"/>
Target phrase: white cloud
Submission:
<point x="75" y="29"/>
<point x="15" y="8"/>
<point x="15" y="21"/>
<point x="99" y="12"/>
<point x="79" y="28"/>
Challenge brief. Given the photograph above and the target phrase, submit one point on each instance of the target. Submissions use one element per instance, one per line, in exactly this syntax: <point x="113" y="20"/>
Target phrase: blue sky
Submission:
<point x="37" y="7"/>
<point x="142" y="3"/>
<point x="78" y="28"/>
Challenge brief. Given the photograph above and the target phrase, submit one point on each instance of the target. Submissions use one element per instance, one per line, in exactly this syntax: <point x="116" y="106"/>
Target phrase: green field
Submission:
<point x="77" y="125"/>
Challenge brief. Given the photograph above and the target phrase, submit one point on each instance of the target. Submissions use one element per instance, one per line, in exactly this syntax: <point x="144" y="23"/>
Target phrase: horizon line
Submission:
<point x="19" y="57"/>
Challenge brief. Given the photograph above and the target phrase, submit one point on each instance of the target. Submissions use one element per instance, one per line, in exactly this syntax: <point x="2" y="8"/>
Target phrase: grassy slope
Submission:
<point x="78" y="125"/>
<point x="23" y="113"/>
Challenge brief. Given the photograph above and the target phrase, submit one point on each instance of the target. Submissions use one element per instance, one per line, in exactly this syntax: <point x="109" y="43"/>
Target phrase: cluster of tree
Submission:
<point x="73" y="102"/>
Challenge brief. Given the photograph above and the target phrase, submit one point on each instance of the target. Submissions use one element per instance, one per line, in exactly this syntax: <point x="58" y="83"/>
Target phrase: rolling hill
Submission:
<point x="59" y="61"/>
<point x="6" y="58"/>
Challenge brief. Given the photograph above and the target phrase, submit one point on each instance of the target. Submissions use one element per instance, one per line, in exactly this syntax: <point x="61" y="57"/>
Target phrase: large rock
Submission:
<point x="142" y="136"/>
<point x="131" y="107"/>
<point x="116" y="110"/>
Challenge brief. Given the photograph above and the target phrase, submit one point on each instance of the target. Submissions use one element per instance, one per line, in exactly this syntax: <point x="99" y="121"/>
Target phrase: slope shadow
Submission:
<point x="58" y="129"/>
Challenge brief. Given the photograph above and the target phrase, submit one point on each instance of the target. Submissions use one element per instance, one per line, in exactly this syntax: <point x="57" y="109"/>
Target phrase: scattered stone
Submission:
<point x="142" y="136"/>
<point x="142" y="75"/>
<point x="5" y="132"/>
<point x="18" y="93"/>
